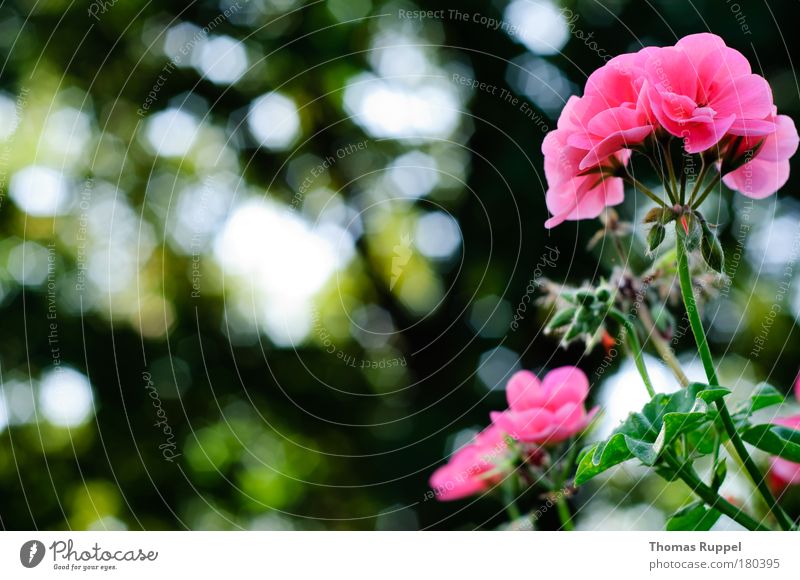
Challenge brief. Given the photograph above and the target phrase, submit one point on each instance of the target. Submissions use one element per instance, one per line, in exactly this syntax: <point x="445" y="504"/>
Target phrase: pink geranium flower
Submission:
<point x="473" y="468"/>
<point x="701" y="90"/>
<point x="768" y="170"/>
<point x="548" y="411"/>
<point x="782" y="472"/>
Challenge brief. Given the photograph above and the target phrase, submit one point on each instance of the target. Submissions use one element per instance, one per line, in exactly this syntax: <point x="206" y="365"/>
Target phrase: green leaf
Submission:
<point x="764" y="395"/>
<point x="694" y="517"/>
<point x="774" y="439"/>
<point x="702" y="441"/>
<point x="645" y="435"/>
<point x="602" y="456"/>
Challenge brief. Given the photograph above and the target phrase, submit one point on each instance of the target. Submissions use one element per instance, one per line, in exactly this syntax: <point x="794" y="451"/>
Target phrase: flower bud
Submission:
<point x="562" y="318"/>
<point x="662" y="215"/>
<point x="690" y="231"/>
<point x="712" y="249"/>
<point x="656" y="235"/>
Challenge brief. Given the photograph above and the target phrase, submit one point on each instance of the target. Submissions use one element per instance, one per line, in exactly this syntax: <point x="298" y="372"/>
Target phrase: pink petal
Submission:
<point x="456" y="480"/>
<point x="614" y="143"/>
<point x="782" y="144"/>
<point x="524" y="390"/>
<point x="565" y="385"/>
<point x="670" y="71"/>
<point x="784" y="471"/>
<point x="616" y="82"/>
<point x="701" y="136"/>
<point x="746" y="97"/>
<point x="758" y="179"/>
<point x="578" y="200"/>
<point x="752" y="127"/>
<point x="530" y="426"/>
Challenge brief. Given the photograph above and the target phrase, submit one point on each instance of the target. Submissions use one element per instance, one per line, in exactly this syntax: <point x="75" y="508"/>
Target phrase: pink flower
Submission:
<point x="573" y="194"/>
<point x="473" y="468"/>
<point x="592" y="140"/>
<point x="616" y="114"/>
<point x="702" y="90"/>
<point x="545" y="412"/>
<point x="768" y="170"/>
<point x="783" y="472"/>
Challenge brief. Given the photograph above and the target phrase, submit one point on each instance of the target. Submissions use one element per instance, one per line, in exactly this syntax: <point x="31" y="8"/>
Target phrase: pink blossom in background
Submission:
<point x="469" y="470"/>
<point x="548" y="411"/>
<point x="782" y="472"/>
<point x="540" y="413"/>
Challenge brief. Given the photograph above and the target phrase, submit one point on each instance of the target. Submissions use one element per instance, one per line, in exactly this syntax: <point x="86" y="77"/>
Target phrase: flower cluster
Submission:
<point x="700" y="91"/>
<point x="541" y="413"/>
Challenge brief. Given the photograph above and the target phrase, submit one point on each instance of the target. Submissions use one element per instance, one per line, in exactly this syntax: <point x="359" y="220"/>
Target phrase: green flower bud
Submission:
<point x="711" y="249"/>
<point x="562" y="318"/>
<point x="656" y="235"/>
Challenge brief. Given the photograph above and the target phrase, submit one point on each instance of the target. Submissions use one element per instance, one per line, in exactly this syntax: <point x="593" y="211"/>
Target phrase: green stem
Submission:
<point x="724" y="415"/>
<point x="634" y="346"/>
<point x="510" y="504"/>
<point x="561" y="500"/>
<point x="673" y="188"/>
<point x="640" y="186"/>
<point x="663" y="349"/>
<point x="683" y="180"/>
<point x="563" y="513"/>
<point x="708" y="495"/>
<point x="699" y="183"/>
<point x="708" y="190"/>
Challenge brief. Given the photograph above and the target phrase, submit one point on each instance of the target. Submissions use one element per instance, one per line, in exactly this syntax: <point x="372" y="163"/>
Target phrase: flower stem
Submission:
<point x="661" y="346"/>
<point x="509" y="493"/>
<point x="634" y="346"/>
<point x="563" y="512"/>
<point x="724" y="415"/>
<point x="714" y="182"/>
<point x="673" y="184"/>
<point x="644" y="189"/>
<point x="561" y="501"/>
<point x="712" y="498"/>
<point x="699" y="181"/>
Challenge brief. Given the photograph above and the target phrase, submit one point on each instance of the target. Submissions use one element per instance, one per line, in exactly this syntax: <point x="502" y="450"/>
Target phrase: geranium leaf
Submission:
<point x="764" y="395"/>
<point x="775" y="439"/>
<point x="695" y="517"/>
<point x="645" y="435"/>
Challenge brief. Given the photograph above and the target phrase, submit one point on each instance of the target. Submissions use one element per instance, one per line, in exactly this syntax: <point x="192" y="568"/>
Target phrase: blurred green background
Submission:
<point x="260" y="259"/>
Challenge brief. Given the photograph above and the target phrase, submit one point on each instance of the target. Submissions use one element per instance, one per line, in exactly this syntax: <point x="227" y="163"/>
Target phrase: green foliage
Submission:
<point x="695" y="517"/>
<point x="763" y="396"/>
<point x="774" y="439"/>
<point x="647" y="434"/>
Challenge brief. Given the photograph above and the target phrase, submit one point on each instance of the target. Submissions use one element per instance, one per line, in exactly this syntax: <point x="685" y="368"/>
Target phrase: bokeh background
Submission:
<point x="260" y="258"/>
